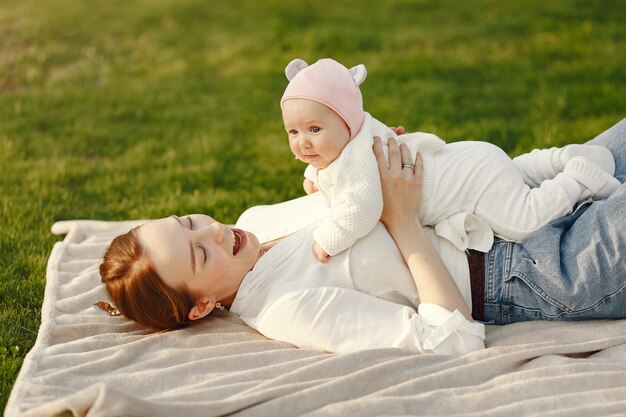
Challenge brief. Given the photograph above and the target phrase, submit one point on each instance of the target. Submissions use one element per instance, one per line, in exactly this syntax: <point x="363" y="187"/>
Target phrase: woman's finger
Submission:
<point x="419" y="165"/>
<point x="398" y="130"/>
<point x="395" y="160"/>
<point x="407" y="165"/>
<point x="380" y="155"/>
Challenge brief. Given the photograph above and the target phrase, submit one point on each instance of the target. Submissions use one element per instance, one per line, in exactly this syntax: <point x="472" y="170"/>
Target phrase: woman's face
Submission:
<point x="196" y="252"/>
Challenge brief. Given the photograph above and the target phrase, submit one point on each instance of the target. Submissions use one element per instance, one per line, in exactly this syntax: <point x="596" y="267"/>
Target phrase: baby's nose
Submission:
<point x="305" y="142"/>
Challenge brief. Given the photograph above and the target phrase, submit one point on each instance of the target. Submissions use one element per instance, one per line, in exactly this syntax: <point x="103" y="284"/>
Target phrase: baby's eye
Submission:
<point x="293" y="132"/>
<point x="204" y="252"/>
<point x="315" y="129"/>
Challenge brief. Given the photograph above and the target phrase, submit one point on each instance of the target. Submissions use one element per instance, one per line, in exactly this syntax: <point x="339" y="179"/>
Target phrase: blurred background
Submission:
<point x="134" y="109"/>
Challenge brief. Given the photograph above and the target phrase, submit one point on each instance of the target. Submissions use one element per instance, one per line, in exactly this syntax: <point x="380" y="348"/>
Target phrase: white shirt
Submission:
<point x="362" y="298"/>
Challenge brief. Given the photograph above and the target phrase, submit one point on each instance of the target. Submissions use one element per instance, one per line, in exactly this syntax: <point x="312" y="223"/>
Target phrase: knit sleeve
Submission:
<point x="357" y="202"/>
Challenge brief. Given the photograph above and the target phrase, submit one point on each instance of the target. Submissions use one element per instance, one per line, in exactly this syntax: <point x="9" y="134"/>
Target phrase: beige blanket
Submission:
<point x="87" y="363"/>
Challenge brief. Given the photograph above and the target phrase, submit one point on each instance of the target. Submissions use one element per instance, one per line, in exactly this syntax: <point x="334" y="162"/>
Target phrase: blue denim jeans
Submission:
<point x="571" y="269"/>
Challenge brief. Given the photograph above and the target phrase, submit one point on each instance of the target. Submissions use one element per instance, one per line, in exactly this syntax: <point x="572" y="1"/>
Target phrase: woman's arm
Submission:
<point x="402" y="199"/>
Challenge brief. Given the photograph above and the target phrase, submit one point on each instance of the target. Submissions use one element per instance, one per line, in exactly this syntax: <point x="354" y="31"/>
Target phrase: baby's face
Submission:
<point x="317" y="134"/>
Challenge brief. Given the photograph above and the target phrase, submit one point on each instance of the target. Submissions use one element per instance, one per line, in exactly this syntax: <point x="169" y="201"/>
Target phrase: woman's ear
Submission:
<point x="200" y="310"/>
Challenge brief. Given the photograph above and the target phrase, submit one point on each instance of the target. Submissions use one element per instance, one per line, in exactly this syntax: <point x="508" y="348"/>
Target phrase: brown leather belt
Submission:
<point x="476" y="262"/>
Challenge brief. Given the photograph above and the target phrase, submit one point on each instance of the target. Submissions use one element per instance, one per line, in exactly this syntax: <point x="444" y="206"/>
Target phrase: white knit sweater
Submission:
<point x="471" y="190"/>
<point x="351" y="184"/>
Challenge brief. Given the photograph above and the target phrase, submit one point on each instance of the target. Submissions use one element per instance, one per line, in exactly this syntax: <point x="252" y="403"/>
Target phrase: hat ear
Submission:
<point x="294" y="67"/>
<point x="359" y="73"/>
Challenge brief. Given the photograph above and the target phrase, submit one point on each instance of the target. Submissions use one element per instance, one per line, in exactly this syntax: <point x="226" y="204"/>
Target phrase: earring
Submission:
<point x="107" y="308"/>
<point x="219" y="307"/>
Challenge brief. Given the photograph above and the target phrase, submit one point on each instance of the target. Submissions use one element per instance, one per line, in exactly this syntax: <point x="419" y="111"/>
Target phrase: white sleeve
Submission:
<point x="345" y="320"/>
<point x="273" y="221"/>
<point x="357" y="204"/>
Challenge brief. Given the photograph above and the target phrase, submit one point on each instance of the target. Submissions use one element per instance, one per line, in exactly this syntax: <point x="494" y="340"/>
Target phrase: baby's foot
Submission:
<point x="597" y="182"/>
<point x="599" y="155"/>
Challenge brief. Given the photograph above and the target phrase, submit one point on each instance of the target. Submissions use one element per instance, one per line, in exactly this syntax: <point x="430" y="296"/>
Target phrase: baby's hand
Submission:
<point x="309" y="186"/>
<point x="319" y="253"/>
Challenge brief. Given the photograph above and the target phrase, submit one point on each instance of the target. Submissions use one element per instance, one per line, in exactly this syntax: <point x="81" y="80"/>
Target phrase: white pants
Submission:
<point x="479" y="177"/>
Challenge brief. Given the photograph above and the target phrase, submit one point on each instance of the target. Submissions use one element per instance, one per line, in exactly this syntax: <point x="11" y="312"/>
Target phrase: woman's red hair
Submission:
<point x="136" y="288"/>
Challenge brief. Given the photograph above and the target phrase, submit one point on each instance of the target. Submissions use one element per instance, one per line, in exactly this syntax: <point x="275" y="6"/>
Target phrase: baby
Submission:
<point x="322" y="110"/>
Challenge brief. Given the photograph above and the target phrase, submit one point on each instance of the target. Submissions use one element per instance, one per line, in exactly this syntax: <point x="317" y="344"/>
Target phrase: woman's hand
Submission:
<point x="401" y="183"/>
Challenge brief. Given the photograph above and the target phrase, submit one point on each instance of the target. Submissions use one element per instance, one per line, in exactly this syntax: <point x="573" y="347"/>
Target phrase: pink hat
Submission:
<point x="330" y="83"/>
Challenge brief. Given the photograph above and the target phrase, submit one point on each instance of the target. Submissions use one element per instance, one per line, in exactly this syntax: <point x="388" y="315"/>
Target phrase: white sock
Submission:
<point x="599" y="155"/>
<point x="572" y="187"/>
<point x="594" y="179"/>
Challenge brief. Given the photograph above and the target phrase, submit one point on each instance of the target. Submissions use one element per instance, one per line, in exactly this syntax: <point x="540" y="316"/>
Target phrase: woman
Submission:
<point x="178" y="269"/>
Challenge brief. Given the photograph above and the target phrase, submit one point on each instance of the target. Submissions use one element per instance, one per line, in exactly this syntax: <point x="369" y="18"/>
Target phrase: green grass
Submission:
<point x="138" y="109"/>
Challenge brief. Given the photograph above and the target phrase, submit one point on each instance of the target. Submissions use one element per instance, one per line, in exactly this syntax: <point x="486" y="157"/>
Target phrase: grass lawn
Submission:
<point x="119" y="110"/>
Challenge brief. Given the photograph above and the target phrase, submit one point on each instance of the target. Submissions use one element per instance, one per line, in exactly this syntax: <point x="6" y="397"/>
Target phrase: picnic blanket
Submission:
<point x="86" y="363"/>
